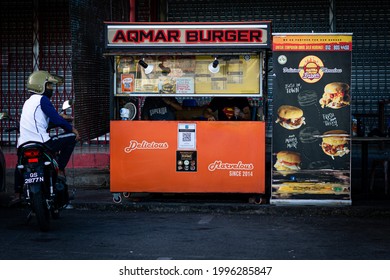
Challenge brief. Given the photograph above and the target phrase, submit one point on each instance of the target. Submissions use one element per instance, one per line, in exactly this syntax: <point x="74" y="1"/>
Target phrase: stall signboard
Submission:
<point x="311" y="159"/>
<point x="146" y="36"/>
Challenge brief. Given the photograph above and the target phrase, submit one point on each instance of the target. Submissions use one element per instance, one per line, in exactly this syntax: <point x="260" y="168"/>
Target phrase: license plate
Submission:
<point x="33" y="177"/>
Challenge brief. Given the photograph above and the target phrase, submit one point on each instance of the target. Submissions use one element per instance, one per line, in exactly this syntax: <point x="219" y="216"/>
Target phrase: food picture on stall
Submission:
<point x="160" y="108"/>
<point x="290" y="117"/>
<point x="228" y="109"/>
<point x="335" y="143"/>
<point x="288" y="161"/>
<point x="336" y="95"/>
<point x="167" y="86"/>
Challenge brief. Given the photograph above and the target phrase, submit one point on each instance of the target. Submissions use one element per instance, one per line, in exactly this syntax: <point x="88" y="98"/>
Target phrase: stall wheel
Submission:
<point x="126" y="194"/>
<point x="117" y="198"/>
<point x="257" y="200"/>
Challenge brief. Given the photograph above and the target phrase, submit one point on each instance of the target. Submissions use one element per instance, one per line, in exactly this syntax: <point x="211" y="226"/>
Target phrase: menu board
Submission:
<point x="188" y="74"/>
<point x="311" y="119"/>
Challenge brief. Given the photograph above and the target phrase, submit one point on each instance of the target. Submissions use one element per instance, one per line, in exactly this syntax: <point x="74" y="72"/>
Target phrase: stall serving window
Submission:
<point x="191" y="79"/>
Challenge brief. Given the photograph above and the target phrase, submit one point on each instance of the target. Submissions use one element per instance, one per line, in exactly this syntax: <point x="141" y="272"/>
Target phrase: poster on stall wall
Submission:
<point x="127" y="82"/>
<point x="311" y="159"/>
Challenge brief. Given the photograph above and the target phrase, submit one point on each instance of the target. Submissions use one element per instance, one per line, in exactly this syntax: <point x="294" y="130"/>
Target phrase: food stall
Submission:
<point x="192" y="62"/>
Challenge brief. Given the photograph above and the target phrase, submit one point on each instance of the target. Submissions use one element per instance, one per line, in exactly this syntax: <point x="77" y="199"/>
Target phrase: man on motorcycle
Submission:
<point x="38" y="111"/>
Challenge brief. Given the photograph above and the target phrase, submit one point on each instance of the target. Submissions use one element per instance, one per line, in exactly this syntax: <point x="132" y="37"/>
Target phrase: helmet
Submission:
<point x="36" y="83"/>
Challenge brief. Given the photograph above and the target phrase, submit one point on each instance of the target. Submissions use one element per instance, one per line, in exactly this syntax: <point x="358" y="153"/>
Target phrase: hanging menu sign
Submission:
<point x="311" y="121"/>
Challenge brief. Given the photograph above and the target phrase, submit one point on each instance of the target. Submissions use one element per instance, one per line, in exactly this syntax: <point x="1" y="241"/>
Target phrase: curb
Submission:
<point x="226" y="208"/>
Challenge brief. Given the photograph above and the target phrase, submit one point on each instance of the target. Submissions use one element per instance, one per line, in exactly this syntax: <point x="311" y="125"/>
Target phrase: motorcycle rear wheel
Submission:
<point x="41" y="211"/>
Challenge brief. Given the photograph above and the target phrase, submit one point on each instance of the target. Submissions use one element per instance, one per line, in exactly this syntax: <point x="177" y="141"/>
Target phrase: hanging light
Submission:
<point x="147" y="68"/>
<point x="164" y="70"/>
<point x="214" y="66"/>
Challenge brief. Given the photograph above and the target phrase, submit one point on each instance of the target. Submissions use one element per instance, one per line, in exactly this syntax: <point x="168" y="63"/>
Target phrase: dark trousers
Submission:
<point x="63" y="144"/>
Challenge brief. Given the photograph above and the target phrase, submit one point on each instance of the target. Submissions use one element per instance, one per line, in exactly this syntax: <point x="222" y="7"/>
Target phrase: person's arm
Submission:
<point x="53" y="115"/>
<point x="208" y="114"/>
<point x="173" y="103"/>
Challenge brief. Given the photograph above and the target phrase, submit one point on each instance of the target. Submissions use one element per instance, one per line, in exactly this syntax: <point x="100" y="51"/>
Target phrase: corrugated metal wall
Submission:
<point x="32" y="37"/>
<point x="90" y="69"/>
<point x="369" y="21"/>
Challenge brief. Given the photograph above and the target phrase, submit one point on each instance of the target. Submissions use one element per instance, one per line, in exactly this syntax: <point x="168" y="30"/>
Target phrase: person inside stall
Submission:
<point x="156" y="108"/>
<point x="229" y="109"/>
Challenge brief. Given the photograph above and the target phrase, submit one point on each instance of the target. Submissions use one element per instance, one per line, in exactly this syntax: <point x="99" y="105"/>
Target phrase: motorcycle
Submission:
<point x="37" y="177"/>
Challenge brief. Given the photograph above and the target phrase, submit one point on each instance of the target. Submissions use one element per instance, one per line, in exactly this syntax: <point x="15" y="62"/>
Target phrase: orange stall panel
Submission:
<point x="224" y="157"/>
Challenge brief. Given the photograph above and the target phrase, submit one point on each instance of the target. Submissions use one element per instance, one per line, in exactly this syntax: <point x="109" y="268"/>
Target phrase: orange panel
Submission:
<point x="230" y="157"/>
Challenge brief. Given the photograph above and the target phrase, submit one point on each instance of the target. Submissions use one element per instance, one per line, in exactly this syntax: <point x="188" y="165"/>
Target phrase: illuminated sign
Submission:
<point x="241" y="34"/>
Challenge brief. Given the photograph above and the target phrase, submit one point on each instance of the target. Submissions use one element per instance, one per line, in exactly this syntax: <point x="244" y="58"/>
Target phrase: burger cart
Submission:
<point x="311" y="141"/>
<point x="192" y="62"/>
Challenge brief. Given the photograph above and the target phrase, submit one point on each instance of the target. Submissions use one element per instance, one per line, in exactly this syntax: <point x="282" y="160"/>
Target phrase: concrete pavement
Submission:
<point x="100" y="198"/>
<point x="89" y="175"/>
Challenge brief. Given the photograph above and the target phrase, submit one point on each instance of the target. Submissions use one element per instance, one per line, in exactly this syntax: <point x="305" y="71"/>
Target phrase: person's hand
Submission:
<point x="67" y="117"/>
<point x="74" y="130"/>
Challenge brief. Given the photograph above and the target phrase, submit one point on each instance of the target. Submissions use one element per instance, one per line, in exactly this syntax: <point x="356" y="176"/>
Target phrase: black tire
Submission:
<point x="41" y="211"/>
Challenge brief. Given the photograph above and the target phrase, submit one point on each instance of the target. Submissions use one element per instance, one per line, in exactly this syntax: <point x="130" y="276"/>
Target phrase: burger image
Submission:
<point x="288" y="161"/>
<point x="167" y="87"/>
<point x="336" y="95"/>
<point x="290" y="117"/>
<point x="334" y="143"/>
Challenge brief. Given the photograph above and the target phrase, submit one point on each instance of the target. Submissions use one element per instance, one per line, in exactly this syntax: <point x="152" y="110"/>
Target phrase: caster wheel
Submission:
<point x="117" y="198"/>
<point x="126" y="194"/>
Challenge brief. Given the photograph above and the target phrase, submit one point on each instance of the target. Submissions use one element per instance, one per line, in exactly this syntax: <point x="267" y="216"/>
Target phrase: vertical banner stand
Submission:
<point x="311" y="159"/>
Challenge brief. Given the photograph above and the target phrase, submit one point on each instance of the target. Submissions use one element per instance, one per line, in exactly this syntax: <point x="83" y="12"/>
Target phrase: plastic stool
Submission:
<point x="378" y="163"/>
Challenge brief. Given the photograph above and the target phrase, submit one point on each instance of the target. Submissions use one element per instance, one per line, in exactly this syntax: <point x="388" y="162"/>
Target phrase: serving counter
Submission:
<point x="191" y="157"/>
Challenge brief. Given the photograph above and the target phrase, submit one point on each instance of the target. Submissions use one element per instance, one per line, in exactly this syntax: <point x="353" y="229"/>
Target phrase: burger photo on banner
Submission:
<point x="336" y="95"/>
<point x="287" y="162"/>
<point x="290" y="117"/>
<point x="335" y="143"/>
